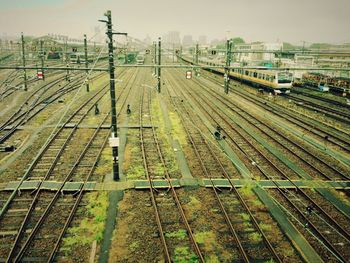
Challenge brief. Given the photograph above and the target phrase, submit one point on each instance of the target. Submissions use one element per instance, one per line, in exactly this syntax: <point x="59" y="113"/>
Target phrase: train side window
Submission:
<point x="255" y="75"/>
<point x="263" y="76"/>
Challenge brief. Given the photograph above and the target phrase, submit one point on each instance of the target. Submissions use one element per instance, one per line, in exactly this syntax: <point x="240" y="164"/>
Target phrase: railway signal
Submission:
<point x="42" y="55"/>
<point x="40" y="75"/>
<point x="188" y="74"/>
<point x="155" y="57"/>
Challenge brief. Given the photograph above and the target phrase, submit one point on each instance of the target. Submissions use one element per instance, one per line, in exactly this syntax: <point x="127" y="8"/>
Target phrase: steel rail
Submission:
<point x="296" y="119"/>
<point x="325" y="240"/>
<point x="43" y="216"/>
<point x="80" y="196"/>
<point x="176" y="198"/>
<point x="223" y="210"/>
<point x="293" y="119"/>
<point x="38" y="191"/>
<point x="43" y="150"/>
<point x="244" y="204"/>
<point x="77" y="202"/>
<point x="8" y="121"/>
<point x="228" y="104"/>
<point x="340" y="229"/>
<point x="314" y="96"/>
<point x="332" y="113"/>
<point x="151" y="187"/>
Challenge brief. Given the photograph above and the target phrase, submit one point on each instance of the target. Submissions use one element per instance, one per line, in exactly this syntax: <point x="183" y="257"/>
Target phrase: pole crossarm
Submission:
<point x="177" y="66"/>
<point x="120" y="33"/>
<point x="291" y="52"/>
<point x="54" y="68"/>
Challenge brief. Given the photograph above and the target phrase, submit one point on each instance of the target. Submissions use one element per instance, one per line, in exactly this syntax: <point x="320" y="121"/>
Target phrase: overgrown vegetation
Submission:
<point x="92" y="226"/>
<point x="136" y="171"/>
<point x="184" y="255"/>
<point x="180" y="234"/>
<point x="177" y="129"/>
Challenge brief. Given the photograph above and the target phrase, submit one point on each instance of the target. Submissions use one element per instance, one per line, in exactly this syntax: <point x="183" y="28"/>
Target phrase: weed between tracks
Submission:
<point x="184" y="254"/>
<point x="164" y="137"/>
<point x="92" y="226"/>
<point x="104" y="164"/>
<point x="178" y="131"/>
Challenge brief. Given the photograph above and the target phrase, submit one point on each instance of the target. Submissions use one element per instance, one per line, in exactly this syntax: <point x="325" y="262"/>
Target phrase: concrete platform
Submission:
<point x="163" y="184"/>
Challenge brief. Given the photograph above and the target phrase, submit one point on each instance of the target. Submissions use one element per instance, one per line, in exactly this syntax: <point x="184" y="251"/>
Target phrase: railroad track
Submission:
<point x="323" y="131"/>
<point x="250" y="152"/>
<point x="212" y="167"/>
<point x="42" y="169"/>
<point x="34" y="104"/>
<point x="333" y="102"/>
<point x="71" y="155"/>
<point x="152" y="154"/>
<point x="334" y="113"/>
<point x="38" y="101"/>
<point x="318" y="166"/>
<point x="318" y="224"/>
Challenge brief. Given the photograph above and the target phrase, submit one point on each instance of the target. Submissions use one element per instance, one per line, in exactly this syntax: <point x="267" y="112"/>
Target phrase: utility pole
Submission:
<point x="24" y="64"/>
<point x="228" y="63"/>
<point x="155" y="57"/>
<point x="197" y="53"/>
<point x="159" y="62"/>
<point x="126" y="53"/>
<point x="114" y="140"/>
<point x="86" y="64"/>
<point x="66" y="59"/>
<point x="173" y="52"/>
<point x="42" y="58"/>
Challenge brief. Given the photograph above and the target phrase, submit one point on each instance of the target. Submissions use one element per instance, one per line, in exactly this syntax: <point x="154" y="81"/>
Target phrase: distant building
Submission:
<point x="187" y="41"/>
<point x="148" y="40"/>
<point x="257" y="58"/>
<point x="174" y="38"/>
<point x="202" y="40"/>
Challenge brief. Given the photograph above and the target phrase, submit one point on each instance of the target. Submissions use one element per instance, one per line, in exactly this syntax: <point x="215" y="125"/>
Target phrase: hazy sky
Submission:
<point x="266" y="20"/>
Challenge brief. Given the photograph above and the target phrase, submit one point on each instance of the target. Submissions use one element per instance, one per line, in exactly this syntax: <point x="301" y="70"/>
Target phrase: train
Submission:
<point x="279" y="82"/>
<point x="78" y="57"/>
<point x="325" y="83"/>
<point x="140" y="59"/>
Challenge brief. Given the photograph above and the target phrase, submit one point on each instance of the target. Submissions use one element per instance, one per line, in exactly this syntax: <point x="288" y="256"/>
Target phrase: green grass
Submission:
<point x="255" y="237"/>
<point x="181" y="234"/>
<point x="92" y="226"/>
<point x="134" y="246"/>
<point x="265" y="227"/>
<point x="177" y="129"/>
<point x="136" y="172"/>
<point x="247" y="190"/>
<point x="184" y="255"/>
<point x="203" y="237"/>
<point x="245" y="217"/>
<point x="159" y="169"/>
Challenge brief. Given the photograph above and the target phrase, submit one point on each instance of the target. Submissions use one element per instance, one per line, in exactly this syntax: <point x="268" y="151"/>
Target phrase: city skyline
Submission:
<point x="269" y="21"/>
